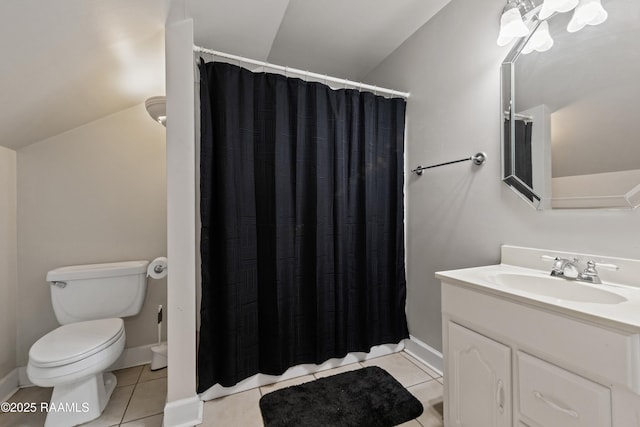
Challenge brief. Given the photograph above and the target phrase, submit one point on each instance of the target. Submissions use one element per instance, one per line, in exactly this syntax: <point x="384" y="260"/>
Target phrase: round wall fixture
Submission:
<point x="157" y="108"/>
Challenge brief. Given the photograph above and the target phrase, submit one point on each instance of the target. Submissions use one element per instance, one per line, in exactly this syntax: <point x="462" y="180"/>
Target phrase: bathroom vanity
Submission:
<point x="525" y="349"/>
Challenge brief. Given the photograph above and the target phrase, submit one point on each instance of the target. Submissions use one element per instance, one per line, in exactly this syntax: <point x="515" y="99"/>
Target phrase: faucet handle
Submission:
<point x="557" y="258"/>
<point x="590" y="274"/>
<point x="604" y="265"/>
<point x="591" y="268"/>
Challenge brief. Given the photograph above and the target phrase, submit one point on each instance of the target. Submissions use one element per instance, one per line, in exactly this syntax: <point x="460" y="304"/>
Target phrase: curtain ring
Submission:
<point x="326" y="82"/>
<point x="306" y="74"/>
<point x="286" y="71"/>
<point x="264" y="67"/>
<point x="375" y="90"/>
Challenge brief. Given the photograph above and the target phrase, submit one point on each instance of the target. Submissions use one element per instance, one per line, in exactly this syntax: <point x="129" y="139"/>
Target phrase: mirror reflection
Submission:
<point x="571" y="135"/>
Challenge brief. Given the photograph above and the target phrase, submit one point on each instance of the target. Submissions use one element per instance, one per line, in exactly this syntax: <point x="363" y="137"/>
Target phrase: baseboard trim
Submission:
<point x="23" y="379"/>
<point x="132" y="356"/>
<point x="184" y="412"/>
<point x="9" y="384"/>
<point x="425" y="353"/>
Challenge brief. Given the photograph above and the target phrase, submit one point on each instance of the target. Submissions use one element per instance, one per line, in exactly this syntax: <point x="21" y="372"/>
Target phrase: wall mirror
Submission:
<point x="571" y="115"/>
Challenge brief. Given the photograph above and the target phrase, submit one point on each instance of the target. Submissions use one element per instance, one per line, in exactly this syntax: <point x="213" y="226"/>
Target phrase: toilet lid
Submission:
<point x="75" y="341"/>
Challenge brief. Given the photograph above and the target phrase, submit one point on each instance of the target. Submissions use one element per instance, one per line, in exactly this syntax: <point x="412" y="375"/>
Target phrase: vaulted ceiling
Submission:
<point x="65" y="63"/>
<point x="343" y="38"/>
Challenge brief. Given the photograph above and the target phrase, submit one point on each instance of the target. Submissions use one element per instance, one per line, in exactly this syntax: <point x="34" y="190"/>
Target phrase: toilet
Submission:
<point x="89" y="302"/>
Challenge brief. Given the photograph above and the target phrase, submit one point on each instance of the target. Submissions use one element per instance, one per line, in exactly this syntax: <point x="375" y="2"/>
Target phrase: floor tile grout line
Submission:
<point x="422" y="382"/>
<point x="127" y="406"/>
<point x="131" y="396"/>
<point x="142" y="418"/>
<point x="150" y="379"/>
<point x="315" y="374"/>
<point x="418" y="365"/>
<point x="140" y="375"/>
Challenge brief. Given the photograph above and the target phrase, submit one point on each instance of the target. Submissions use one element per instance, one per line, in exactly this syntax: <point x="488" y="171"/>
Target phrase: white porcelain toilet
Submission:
<point x="88" y="301"/>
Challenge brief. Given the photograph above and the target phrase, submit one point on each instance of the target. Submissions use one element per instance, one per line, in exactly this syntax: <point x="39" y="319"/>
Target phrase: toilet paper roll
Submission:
<point x="158" y="268"/>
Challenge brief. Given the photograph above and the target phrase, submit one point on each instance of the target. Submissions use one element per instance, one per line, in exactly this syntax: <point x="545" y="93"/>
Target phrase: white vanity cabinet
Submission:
<point x="509" y="363"/>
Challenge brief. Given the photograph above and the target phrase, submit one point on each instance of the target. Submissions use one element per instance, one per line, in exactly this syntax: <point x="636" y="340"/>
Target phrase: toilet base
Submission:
<point x="81" y="401"/>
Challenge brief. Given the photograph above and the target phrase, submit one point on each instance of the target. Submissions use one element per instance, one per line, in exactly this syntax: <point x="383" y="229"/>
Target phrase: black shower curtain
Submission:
<point x="302" y="223"/>
<point x="524" y="163"/>
<point x="523" y="167"/>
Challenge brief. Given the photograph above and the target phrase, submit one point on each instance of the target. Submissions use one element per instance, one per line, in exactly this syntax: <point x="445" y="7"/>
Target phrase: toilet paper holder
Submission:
<point x="159" y="269"/>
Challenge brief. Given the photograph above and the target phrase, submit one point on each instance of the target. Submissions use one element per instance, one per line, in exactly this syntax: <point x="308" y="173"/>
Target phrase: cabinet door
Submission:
<point x="479" y="375"/>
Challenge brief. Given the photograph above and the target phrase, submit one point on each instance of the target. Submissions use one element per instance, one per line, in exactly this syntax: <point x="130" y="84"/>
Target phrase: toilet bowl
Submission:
<point x="73" y="357"/>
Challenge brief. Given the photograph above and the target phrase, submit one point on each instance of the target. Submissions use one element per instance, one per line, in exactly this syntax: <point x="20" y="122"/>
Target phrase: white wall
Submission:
<point x="183" y="407"/>
<point x="459" y="215"/>
<point x="599" y="132"/>
<point x="8" y="261"/>
<point x="94" y="194"/>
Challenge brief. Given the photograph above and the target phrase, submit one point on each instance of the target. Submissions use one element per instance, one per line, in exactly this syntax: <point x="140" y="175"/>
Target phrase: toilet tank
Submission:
<point x="98" y="291"/>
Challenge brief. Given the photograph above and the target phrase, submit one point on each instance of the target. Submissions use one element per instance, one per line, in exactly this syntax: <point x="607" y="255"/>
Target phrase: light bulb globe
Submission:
<point x="549" y="7"/>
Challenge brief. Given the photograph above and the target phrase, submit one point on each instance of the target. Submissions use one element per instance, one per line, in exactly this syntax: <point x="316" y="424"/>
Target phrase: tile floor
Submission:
<point x="137" y="401"/>
<point x="425" y="384"/>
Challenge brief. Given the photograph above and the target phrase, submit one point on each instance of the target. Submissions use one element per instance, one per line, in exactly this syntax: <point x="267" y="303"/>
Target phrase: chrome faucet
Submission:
<point x="566" y="268"/>
<point x="569" y="269"/>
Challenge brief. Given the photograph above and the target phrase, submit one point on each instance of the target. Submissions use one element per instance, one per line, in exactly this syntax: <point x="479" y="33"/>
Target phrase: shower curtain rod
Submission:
<point x="519" y="116"/>
<point x="286" y="70"/>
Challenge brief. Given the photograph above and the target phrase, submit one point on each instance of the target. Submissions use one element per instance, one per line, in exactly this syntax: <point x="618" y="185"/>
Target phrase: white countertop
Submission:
<point x="623" y="315"/>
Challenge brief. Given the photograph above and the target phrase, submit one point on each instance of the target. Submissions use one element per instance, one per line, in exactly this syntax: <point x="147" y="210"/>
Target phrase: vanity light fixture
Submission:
<point x="157" y="108"/>
<point x="588" y="12"/>
<point x="512" y="25"/>
<point x="549" y="7"/>
<point x="518" y="16"/>
<point x="540" y="40"/>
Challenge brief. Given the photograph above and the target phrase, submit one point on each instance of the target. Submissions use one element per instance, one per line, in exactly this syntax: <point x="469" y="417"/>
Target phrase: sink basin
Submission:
<point x="554" y="287"/>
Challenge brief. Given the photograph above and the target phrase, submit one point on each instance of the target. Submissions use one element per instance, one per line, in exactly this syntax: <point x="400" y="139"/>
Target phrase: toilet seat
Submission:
<point x="75" y="341"/>
<point x="75" y="350"/>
